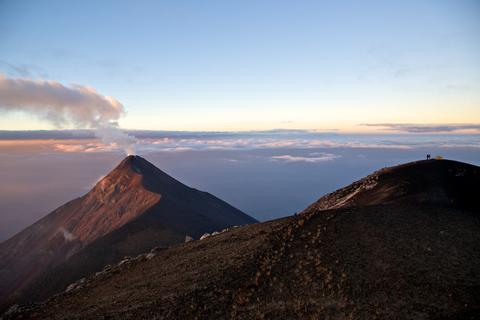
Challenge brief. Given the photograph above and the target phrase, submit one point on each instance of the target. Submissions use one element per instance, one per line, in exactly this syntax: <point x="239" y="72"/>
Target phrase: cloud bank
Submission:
<point x="425" y="128"/>
<point x="80" y="141"/>
<point x="311" y="158"/>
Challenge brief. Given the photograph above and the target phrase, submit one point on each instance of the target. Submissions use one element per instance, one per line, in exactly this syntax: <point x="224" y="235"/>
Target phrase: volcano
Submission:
<point x="402" y="243"/>
<point x="131" y="210"/>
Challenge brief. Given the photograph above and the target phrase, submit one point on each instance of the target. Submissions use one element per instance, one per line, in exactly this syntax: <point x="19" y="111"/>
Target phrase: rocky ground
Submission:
<point x="380" y="262"/>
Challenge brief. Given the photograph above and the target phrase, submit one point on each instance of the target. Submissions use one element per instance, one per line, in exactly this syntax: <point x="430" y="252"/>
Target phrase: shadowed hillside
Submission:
<point x="413" y="254"/>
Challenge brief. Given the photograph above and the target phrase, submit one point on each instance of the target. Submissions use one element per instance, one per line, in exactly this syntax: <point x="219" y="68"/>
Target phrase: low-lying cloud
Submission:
<point x="78" y="141"/>
<point x="145" y="146"/>
<point x="311" y="158"/>
<point x="425" y="128"/>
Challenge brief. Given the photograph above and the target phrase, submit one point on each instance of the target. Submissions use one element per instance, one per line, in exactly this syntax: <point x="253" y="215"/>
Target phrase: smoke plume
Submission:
<point x="113" y="136"/>
<point x="76" y="105"/>
<point x="67" y="235"/>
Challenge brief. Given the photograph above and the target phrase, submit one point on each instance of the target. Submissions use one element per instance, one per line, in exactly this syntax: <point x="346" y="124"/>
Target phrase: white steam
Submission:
<point x="67" y="235"/>
<point x="77" y="105"/>
<point x="113" y="136"/>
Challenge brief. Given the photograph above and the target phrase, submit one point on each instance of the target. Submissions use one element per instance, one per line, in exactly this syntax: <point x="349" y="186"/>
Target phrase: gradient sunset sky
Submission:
<point x="252" y="65"/>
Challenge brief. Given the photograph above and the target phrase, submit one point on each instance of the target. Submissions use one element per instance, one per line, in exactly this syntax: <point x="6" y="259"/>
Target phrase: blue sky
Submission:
<point x="249" y="65"/>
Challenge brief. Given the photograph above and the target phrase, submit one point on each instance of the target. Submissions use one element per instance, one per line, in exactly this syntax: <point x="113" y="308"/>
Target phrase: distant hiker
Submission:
<point x="428" y="157"/>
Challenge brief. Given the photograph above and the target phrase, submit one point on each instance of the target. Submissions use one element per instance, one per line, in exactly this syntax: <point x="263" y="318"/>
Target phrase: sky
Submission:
<point x="251" y="65"/>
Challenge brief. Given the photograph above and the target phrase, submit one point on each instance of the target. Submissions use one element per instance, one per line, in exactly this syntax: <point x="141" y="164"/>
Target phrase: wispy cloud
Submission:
<point x="311" y="158"/>
<point x="83" y="147"/>
<point x="425" y="128"/>
<point x="23" y="70"/>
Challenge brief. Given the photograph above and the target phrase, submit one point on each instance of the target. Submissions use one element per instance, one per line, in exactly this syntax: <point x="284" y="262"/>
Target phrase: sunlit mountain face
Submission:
<point x="134" y="208"/>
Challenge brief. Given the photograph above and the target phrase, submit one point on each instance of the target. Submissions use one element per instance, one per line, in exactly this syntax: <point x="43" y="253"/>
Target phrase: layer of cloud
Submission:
<point x="83" y="147"/>
<point x="258" y="142"/>
<point x="171" y="144"/>
<point x="161" y="141"/>
<point x="311" y="158"/>
<point x="425" y="128"/>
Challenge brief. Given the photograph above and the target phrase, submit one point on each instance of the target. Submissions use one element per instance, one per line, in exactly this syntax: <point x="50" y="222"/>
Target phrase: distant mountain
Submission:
<point x="403" y="243"/>
<point x="131" y="210"/>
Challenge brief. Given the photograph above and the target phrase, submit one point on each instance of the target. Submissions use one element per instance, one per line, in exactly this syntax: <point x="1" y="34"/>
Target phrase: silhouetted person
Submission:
<point x="428" y="157"/>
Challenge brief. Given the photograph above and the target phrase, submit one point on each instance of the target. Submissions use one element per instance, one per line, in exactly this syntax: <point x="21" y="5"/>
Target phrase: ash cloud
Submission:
<point x="76" y="105"/>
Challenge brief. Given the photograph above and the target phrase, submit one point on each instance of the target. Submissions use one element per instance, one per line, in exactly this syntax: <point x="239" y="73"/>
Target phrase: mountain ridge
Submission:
<point x="135" y="191"/>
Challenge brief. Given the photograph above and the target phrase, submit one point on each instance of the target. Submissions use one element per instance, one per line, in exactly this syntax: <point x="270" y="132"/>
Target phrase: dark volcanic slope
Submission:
<point x="445" y="183"/>
<point x="134" y="208"/>
<point x="380" y="262"/>
<point x="392" y="260"/>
